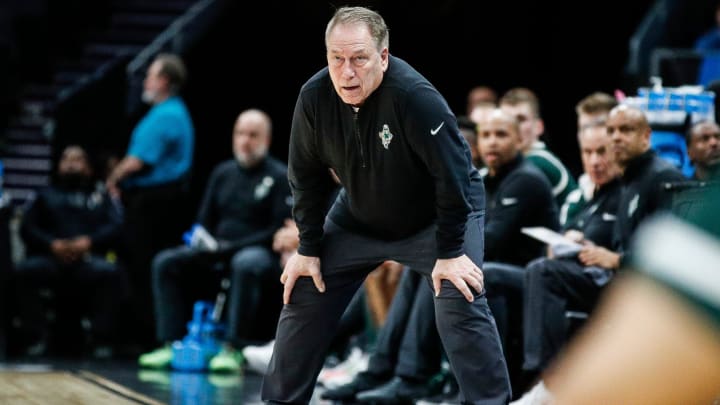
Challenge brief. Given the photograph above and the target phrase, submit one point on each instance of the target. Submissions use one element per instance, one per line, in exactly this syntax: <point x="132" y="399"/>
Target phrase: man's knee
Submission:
<point x="34" y="264"/>
<point x="253" y="259"/>
<point x="163" y="261"/>
<point x="541" y="269"/>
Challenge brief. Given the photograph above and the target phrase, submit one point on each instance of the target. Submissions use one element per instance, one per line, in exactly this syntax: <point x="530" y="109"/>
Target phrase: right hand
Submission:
<point x="63" y="250"/>
<point x="301" y="266"/>
<point x="287" y="238"/>
<point x="575" y="236"/>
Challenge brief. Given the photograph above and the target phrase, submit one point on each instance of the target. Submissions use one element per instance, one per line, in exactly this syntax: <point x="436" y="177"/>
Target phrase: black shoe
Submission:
<point x="362" y="382"/>
<point x="396" y="391"/>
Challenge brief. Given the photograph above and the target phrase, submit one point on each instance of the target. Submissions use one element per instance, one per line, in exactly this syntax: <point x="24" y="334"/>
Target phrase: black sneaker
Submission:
<point x="362" y="382"/>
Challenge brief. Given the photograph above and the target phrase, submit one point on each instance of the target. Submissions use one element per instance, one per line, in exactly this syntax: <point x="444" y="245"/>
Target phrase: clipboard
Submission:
<point x="549" y="237"/>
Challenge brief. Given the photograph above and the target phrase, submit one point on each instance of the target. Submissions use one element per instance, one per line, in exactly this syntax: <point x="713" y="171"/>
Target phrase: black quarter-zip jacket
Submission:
<point x="642" y="196"/>
<point x="518" y="196"/>
<point x="400" y="157"/>
<point x="596" y="220"/>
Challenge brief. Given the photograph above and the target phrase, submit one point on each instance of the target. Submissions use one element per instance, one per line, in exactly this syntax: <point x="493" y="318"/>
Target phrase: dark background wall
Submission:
<point x="260" y="53"/>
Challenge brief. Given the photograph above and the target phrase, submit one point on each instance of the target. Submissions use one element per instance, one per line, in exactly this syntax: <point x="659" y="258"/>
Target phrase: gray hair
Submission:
<point x="361" y="15"/>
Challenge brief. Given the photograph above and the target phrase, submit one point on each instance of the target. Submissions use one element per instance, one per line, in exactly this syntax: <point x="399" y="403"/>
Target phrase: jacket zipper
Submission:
<point x="357" y="136"/>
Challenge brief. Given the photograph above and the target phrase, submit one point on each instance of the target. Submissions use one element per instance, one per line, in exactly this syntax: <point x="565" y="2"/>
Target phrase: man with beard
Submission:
<point x="247" y="199"/>
<point x="70" y="231"/>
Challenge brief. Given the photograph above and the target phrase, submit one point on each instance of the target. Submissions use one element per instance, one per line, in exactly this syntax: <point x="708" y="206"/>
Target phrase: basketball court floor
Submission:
<point x="76" y="381"/>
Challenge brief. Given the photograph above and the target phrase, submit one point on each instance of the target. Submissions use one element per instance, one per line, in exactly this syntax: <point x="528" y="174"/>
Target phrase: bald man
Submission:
<point x="245" y="202"/>
<point x="518" y="195"/>
<point x="642" y="196"/>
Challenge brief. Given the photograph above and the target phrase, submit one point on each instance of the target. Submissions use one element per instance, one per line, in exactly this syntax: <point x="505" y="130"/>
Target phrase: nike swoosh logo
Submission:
<point x="435" y="131"/>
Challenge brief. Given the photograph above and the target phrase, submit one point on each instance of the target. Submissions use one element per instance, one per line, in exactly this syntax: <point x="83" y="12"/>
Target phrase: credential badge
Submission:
<point x="385" y="136"/>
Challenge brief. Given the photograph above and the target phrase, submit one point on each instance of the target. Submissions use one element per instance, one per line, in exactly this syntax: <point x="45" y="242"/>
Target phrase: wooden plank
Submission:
<point x="113" y="386"/>
<point x="66" y="388"/>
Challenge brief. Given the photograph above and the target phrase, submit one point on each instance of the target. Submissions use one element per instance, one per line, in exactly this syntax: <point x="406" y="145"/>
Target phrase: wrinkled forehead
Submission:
<point x="351" y="35"/>
<point x="594" y="137"/>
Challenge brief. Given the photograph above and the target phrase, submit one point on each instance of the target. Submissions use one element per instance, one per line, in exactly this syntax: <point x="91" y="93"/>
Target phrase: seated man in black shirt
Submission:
<point x="70" y="231"/>
<point x="518" y="195"/>
<point x="644" y="174"/>
<point x="245" y="202"/>
<point x="559" y="283"/>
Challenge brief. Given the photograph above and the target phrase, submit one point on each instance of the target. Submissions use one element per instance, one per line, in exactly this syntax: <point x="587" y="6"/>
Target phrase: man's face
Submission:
<point x="597" y="156"/>
<point x="355" y="64"/>
<point x="630" y="135"/>
<point x="531" y="126"/>
<point x="154" y="84"/>
<point x="704" y="145"/>
<point x="251" y="139"/>
<point x="74" y="161"/>
<point x="498" y="141"/>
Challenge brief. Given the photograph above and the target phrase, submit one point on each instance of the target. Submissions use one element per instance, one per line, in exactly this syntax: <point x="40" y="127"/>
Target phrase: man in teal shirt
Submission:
<point x="152" y="178"/>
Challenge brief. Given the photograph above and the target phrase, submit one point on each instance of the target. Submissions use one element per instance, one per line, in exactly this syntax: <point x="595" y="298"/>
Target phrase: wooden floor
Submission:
<point x="77" y="381"/>
<point x="46" y="387"/>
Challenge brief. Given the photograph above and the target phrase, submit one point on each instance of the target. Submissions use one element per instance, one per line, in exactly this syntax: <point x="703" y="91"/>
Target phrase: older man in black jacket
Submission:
<point x="644" y="176"/>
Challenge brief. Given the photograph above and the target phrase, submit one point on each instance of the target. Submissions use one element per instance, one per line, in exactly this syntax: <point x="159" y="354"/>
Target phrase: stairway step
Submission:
<point x="24" y="164"/>
<point x="37" y="107"/>
<point x="176" y="6"/>
<point x="136" y="21"/>
<point x="25" y="134"/>
<point x="68" y="77"/>
<point x="28" y="150"/>
<point x="15" y="180"/>
<point x="88" y="63"/>
<point x="37" y="91"/>
<point x="129" y="37"/>
<point x="111" y="50"/>
<point x="19" y="196"/>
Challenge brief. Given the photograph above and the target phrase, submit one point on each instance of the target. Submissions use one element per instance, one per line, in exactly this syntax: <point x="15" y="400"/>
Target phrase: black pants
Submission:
<point x="504" y="285"/>
<point x="154" y="219"/>
<point x="308" y="322"/>
<point x="553" y="287"/>
<point x="408" y="344"/>
<point x="92" y="286"/>
<point x="183" y="275"/>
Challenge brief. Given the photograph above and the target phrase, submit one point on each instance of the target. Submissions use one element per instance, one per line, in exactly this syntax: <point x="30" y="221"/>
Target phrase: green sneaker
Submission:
<point x="158" y="358"/>
<point x="226" y="361"/>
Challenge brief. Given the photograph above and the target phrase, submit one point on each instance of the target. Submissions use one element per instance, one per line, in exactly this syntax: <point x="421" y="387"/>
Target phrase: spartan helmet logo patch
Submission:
<point x="385" y="136"/>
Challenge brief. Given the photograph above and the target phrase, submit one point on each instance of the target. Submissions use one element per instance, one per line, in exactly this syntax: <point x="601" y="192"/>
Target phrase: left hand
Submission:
<point x="81" y="245"/>
<point x="460" y="271"/>
<point x="592" y="255"/>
